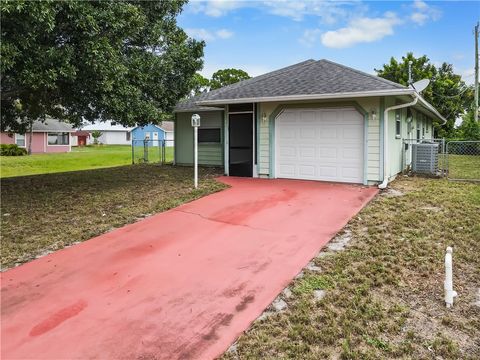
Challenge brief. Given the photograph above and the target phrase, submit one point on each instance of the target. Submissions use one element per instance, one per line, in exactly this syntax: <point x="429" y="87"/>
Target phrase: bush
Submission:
<point x="12" y="150"/>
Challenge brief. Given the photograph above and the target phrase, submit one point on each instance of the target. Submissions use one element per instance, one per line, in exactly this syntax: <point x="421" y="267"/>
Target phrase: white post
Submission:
<point x="195" y="124"/>
<point x="448" y="285"/>
<point x="195" y="155"/>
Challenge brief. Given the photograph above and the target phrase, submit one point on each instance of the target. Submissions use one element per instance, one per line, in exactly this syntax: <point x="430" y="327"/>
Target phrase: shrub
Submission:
<point x="12" y="150"/>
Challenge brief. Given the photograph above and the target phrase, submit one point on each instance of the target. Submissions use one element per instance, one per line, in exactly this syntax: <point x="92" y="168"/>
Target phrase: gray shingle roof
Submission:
<point x="189" y="104"/>
<point x="309" y="77"/>
<point x="52" y="125"/>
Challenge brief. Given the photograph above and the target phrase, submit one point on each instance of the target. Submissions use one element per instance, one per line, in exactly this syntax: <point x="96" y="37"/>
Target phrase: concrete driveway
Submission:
<point x="182" y="284"/>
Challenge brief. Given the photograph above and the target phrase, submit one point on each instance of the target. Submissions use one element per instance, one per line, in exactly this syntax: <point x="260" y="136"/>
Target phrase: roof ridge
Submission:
<point x="364" y="73"/>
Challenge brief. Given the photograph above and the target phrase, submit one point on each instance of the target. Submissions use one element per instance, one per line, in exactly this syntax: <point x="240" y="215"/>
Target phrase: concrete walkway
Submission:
<point x="183" y="284"/>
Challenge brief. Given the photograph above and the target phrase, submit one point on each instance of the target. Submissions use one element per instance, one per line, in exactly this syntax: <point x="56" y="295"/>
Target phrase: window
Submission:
<point x="209" y="135"/>
<point x="418" y="129"/>
<point x="398" y="124"/>
<point x="58" y="138"/>
<point x="427" y="126"/>
<point x="20" y="140"/>
<point x="128" y="135"/>
<point x="423" y="129"/>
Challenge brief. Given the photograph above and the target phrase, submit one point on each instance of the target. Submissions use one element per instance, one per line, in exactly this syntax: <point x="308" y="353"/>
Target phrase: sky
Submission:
<point x="261" y="36"/>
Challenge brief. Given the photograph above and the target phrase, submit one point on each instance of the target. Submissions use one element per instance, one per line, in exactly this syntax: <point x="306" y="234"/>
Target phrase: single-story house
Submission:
<point x="51" y="136"/>
<point x="157" y="133"/>
<point x="80" y="138"/>
<point x="113" y="133"/>
<point x="315" y="120"/>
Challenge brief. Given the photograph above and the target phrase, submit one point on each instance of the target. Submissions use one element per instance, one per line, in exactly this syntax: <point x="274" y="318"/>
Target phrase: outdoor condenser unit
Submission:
<point x="425" y="158"/>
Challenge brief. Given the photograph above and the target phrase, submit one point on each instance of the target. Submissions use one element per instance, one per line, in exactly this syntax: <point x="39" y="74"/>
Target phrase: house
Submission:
<point x="80" y="138"/>
<point x="157" y="133"/>
<point x="315" y="120"/>
<point x="51" y="136"/>
<point x="112" y="133"/>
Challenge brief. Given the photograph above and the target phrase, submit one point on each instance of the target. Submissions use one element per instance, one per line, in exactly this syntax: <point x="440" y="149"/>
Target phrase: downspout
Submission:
<point x="384" y="184"/>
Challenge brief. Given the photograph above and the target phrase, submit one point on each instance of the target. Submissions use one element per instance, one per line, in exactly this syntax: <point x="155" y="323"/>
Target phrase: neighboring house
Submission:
<point x="316" y="120"/>
<point x="51" y="136"/>
<point x="112" y="133"/>
<point x="80" y="138"/>
<point x="157" y="133"/>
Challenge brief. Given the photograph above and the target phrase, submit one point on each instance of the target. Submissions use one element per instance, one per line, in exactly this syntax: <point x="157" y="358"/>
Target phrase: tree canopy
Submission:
<point x="226" y="77"/>
<point x="447" y="92"/>
<point x="93" y="60"/>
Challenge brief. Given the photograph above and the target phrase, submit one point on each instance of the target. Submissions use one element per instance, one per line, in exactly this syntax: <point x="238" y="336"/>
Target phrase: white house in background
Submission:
<point x="112" y="133"/>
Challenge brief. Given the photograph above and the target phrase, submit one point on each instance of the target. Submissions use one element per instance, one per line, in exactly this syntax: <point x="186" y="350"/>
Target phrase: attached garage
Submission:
<point x="320" y="144"/>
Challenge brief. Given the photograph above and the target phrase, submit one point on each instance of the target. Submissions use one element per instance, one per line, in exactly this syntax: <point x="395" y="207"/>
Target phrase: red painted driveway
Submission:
<point x="182" y="284"/>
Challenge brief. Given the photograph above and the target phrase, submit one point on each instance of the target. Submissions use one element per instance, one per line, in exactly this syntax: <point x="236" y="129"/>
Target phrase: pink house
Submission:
<point x="51" y="136"/>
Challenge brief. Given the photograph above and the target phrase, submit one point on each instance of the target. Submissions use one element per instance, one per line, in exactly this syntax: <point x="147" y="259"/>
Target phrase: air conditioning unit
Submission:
<point x="425" y="158"/>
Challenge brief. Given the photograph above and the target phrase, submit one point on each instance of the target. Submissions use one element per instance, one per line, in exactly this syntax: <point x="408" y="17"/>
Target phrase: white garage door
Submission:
<point x="320" y="144"/>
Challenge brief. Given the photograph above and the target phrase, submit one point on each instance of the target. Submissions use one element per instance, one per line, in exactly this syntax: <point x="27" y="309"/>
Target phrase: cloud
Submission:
<point x="361" y="30"/>
<point x="328" y="11"/>
<point x="422" y="12"/>
<point x="224" y="34"/>
<point x="207" y="35"/>
<point x="310" y="37"/>
<point x="216" y="8"/>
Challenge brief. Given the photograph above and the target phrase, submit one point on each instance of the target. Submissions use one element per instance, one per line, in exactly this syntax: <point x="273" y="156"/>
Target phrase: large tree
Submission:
<point x="93" y="60"/>
<point x="226" y="77"/>
<point x="447" y="92"/>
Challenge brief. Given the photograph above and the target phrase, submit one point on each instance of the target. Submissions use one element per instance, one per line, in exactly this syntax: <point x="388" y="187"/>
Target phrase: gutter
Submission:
<point x="308" y="97"/>
<point x="416" y="97"/>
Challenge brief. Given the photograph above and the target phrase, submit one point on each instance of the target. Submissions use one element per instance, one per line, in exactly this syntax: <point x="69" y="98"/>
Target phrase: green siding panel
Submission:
<point x="208" y="154"/>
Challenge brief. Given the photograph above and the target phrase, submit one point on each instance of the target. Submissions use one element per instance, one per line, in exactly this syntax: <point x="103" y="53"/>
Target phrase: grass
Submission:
<point x="465" y="167"/>
<point x="384" y="292"/>
<point x="44" y="213"/>
<point x="80" y="158"/>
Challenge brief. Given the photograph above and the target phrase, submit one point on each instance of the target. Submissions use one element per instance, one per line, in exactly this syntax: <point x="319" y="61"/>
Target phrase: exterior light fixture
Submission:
<point x="374" y="115"/>
<point x="264" y="118"/>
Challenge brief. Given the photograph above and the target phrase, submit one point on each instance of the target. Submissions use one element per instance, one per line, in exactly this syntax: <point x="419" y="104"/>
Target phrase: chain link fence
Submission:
<point x="463" y="160"/>
<point x="457" y="159"/>
<point x="152" y="151"/>
<point x="408" y="154"/>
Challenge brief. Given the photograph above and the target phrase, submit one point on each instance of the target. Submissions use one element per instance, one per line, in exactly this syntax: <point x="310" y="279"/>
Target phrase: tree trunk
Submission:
<point x="30" y="136"/>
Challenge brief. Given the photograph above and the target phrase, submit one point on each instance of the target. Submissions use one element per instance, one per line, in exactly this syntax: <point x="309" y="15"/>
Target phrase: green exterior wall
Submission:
<point x="208" y="154"/>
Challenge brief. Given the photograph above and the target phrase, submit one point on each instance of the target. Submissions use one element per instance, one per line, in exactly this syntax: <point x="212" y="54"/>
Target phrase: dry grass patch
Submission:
<point x="384" y="293"/>
<point x="43" y="213"/>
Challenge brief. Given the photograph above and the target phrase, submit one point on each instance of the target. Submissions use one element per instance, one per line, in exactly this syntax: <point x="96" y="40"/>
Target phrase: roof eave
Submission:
<point x="431" y="109"/>
<point x="359" y="94"/>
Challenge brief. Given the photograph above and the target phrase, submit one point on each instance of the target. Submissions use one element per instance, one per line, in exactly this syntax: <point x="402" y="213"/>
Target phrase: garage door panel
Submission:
<point x="320" y="144"/>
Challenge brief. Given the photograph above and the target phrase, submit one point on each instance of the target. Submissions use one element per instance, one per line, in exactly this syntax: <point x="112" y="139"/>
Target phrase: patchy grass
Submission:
<point x="80" y="158"/>
<point x="44" y="213"/>
<point x="384" y="292"/>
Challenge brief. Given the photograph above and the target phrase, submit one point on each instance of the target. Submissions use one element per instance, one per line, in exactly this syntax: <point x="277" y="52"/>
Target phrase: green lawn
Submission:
<point x="384" y="292"/>
<point x="464" y="167"/>
<point x="89" y="157"/>
<point x="47" y="212"/>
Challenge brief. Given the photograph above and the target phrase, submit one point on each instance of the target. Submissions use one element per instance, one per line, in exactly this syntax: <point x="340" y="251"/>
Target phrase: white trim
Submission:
<point x="308" y="97"/>
<point x="24" y="139"/>
<point x="58" y="132"/>
<point x="197" y="110"/>
<point x="45" y="140"/>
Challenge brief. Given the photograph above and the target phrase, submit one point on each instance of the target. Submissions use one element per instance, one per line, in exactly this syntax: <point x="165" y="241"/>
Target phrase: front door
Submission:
<point x="241" y="145"/>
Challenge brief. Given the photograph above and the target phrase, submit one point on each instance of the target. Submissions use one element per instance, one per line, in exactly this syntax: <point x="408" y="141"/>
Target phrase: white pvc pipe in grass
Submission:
<point x="448" y="285"/>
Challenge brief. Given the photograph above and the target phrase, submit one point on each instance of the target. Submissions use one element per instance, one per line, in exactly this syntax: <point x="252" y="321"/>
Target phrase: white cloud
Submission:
<point x="224" y="34"/>
<point x="216" y="8"/>
<point x="310" y="37"/>
<point x="422" y="12"/>
<point x="328" y="11"/>
<point x="207" y="35"/>
<point x="361" y="30"/>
